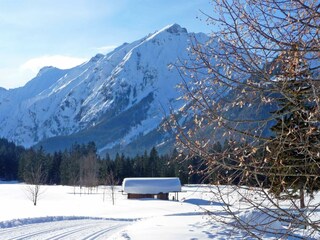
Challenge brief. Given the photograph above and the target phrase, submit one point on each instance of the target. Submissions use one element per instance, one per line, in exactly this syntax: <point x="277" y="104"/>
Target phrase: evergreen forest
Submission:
<point x="82" y="166"/>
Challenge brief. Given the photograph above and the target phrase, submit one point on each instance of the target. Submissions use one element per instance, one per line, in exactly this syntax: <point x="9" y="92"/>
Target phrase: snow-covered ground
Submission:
<point x="63" y="214"/>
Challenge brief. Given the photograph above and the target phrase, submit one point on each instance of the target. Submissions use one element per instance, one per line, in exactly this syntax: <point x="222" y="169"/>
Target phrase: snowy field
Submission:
<point x="63" y="213"/>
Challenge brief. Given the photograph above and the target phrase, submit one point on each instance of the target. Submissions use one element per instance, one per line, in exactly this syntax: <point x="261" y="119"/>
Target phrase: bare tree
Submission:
<point x="111" y="182"/>
<point x="238" y="86"/>
<point x="33" y="171"/>
<point x="88" y="171"/>
<point x="36" y="178"/>
<point x="33" y="189"/>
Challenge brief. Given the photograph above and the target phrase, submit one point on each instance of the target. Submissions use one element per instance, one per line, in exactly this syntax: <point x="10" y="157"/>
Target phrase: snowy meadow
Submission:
<point x="65" y="212"/>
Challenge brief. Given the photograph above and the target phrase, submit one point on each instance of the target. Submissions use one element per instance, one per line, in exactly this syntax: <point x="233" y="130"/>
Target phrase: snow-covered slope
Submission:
<point x="112" y="99"/>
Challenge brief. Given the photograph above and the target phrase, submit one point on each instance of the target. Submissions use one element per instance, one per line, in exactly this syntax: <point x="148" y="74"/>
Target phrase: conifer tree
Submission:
<point x="293" y="149"/>
<point x="153" y="162"/>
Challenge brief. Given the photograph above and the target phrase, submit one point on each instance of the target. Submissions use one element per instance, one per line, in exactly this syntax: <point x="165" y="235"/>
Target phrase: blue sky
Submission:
<point x="64" y="33"/>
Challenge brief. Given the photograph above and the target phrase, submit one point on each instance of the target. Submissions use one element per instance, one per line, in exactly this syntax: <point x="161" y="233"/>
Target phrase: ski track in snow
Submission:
<point x="88" y="229"/>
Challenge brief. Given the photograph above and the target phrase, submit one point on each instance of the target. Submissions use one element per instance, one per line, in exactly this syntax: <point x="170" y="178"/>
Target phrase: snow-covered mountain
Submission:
<point x="114" y="99"/>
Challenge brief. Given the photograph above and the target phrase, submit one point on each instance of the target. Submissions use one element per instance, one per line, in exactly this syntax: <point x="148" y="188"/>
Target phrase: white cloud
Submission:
<point x="59" y="61"/>
<point x="12" y="77"/>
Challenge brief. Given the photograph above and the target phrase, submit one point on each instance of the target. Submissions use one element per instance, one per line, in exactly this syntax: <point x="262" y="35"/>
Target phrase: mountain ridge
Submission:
<point x="59" y="105"/>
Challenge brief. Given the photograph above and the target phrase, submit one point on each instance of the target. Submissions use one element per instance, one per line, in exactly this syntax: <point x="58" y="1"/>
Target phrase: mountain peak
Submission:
<point x="175" y="29"/>
<point x="97" y="57"/>
<point x="45" y="70"/>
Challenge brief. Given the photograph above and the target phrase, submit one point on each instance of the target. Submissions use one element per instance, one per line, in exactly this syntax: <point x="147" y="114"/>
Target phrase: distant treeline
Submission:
<point x="81" y="165"/>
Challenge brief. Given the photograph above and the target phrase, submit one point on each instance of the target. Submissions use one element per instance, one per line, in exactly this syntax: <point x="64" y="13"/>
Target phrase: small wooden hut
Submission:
<point x="158" y="188"/>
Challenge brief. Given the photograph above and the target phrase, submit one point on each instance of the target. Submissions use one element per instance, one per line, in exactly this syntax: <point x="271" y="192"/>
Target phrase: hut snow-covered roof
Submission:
<point x="151" y="185"/>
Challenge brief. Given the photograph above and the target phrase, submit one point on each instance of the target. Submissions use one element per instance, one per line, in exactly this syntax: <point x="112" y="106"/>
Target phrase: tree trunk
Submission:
<point x="302" y="204"/>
